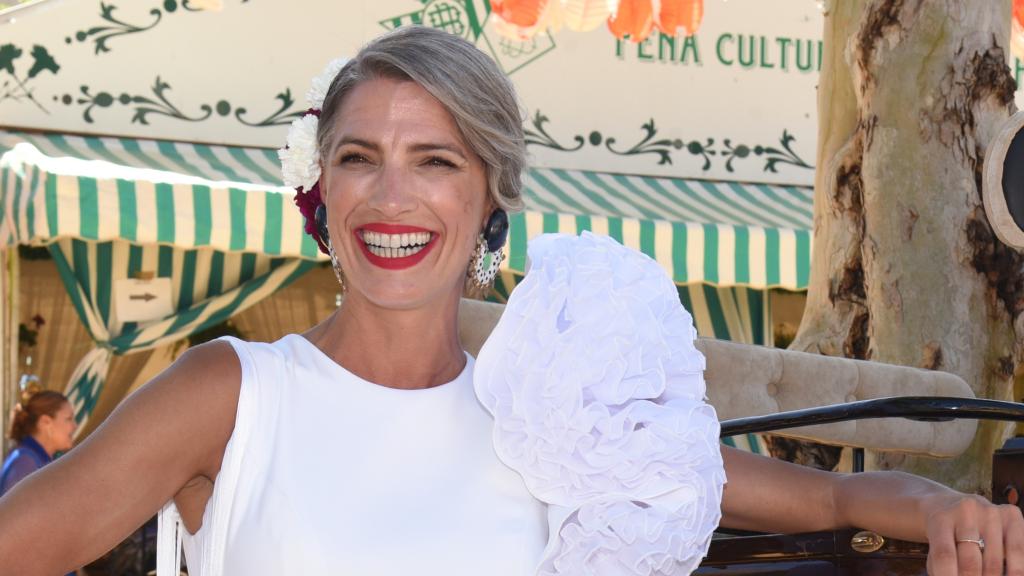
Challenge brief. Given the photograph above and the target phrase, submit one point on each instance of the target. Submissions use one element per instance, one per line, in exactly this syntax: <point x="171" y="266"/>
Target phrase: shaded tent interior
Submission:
<point x="736" y="251"/>
<point x="63" y="341"/>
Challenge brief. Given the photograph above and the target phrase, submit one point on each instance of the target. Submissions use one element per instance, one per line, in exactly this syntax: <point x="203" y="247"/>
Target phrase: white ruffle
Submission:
<point x="597" y="391"/>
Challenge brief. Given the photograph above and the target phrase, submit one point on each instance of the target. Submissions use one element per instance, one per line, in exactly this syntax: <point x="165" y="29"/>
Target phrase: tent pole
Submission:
<point x="5" y="382"/>
<point x="9" y="316"/>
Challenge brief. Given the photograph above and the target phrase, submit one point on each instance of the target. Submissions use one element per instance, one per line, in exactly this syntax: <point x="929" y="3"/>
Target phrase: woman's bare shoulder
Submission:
<point x="216" y="359"/>
<point x="161" y="438"/>
<point x="201" y="390"/>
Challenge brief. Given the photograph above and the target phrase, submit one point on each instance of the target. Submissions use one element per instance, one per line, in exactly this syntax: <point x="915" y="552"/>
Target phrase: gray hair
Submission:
<point x="466" y="81"/>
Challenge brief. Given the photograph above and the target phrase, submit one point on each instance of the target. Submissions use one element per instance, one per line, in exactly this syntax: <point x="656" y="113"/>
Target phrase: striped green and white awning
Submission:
<point x="146" y="192"/>
<point x="232" y="199"/>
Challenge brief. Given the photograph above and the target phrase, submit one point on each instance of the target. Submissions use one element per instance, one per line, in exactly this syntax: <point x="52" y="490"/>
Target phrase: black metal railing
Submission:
<point x="926" y="408"/>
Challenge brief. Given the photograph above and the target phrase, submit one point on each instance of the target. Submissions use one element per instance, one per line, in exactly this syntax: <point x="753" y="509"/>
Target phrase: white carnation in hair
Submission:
<point x="300" y="159"/>
<point x="318" y="91"/>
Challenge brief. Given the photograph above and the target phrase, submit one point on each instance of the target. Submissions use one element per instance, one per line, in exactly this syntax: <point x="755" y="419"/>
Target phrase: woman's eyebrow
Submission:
<point x="353" y="140"/>
<point x="418" y="147"/>
<point x="432" y="146"/>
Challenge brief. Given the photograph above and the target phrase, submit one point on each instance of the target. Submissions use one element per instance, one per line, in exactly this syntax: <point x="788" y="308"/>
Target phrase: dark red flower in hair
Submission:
<point x="308" y="203"/>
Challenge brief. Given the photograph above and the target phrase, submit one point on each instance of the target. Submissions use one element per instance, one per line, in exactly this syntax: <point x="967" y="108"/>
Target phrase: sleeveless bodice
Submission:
<point x="327" y="473"/>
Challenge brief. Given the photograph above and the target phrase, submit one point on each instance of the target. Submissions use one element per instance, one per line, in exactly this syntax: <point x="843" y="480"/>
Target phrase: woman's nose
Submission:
<point x="393" y="193"/>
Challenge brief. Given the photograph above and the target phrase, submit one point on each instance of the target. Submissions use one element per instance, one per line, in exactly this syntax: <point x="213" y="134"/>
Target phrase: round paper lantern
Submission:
<point x="633" y="18"/>
<point x="585" y="15"/>
<point x="636" y="19"/>
<point x="520" y="13"/>
<point x="1017" y="30"/>
<point x="674" y="16"/>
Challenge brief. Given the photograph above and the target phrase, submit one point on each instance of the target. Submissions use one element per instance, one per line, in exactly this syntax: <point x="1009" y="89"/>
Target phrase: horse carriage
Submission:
<point x="859" y="404"/>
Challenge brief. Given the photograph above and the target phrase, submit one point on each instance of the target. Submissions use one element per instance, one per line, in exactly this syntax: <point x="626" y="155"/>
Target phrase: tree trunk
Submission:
<point x="906" y="269"/>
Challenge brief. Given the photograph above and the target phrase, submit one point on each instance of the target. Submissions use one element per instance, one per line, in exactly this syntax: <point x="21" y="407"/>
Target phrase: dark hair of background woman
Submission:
<point x="28" y="412"/>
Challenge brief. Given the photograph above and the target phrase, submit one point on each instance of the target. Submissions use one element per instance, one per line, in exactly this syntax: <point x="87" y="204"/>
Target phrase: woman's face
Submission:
<point x="58" y="430"/>
<point x="406" y="197"/>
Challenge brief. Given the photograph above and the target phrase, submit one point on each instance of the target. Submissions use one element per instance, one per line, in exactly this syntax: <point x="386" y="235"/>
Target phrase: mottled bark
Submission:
<point x="906" y="269"/>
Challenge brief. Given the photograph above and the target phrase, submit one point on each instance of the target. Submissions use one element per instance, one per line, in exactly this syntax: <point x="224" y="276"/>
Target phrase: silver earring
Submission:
<point x="335" y="264"/>
<point x="485" y="264"/>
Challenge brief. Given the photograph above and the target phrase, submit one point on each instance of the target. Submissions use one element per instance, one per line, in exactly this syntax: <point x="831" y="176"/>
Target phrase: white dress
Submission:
<point x="589" y="389"/>
<point x="327" y="473"/>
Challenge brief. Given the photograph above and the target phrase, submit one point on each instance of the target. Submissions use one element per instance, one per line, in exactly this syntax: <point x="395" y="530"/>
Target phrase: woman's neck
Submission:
<point x="395" y="348"/>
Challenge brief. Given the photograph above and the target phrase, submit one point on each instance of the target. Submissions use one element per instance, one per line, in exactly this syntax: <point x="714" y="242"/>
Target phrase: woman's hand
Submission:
<point x="769" y="495"/>
<point x="969" y="535"/>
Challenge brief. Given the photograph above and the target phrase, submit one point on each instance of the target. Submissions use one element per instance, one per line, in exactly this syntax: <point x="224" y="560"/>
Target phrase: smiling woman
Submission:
<point x="373" y="444"/>
<point x="398" y="166"/>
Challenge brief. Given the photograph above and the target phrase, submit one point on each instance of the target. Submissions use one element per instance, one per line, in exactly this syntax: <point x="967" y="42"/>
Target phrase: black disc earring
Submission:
<point x="496" y="230"/>
<point x="320" y="219"/>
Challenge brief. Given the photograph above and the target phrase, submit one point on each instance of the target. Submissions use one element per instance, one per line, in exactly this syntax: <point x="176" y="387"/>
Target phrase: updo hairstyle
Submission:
<point x="32" y="407"/>
<point x="465" y="80"/>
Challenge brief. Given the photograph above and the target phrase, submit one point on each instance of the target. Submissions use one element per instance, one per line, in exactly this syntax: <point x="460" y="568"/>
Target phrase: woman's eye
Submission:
<point x="438" y="161"/>
<point x="352" y="159"/>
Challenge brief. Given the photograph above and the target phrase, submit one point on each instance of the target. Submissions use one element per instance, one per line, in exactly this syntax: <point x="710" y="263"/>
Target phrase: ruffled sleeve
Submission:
<point x="597" y="392"/>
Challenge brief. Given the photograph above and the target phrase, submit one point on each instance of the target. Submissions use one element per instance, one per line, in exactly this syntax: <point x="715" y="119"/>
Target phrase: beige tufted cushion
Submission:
<point x="748" y="380"/>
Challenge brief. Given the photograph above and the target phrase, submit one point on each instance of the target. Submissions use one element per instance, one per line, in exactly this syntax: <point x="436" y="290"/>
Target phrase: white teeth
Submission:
<point x="395" y="245"/>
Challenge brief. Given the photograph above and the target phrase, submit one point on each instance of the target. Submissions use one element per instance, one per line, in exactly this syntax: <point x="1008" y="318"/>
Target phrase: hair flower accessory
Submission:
<point x="318" y="90"/>
<point x="597" y="393"/>
<point x="300" y="162"/>
<point x="300" y="158"/>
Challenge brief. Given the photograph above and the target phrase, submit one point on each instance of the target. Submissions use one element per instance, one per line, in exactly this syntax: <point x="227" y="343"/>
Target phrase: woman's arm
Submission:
<point x="170" y="432"/>
<point x="770" y="495"/>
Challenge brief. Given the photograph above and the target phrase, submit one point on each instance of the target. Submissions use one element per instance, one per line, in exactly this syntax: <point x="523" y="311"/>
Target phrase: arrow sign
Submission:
<point x="142" y="300"/>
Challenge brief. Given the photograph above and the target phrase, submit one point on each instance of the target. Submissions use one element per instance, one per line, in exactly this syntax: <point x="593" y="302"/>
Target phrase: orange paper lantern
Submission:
<point x="634" y="18"/>
<point x="1017" y="29"/>
<point x="511" y="23"/>
<point x="671" y="15"/>
<point x="519" y="13"/>
<point x="585" y="15"/>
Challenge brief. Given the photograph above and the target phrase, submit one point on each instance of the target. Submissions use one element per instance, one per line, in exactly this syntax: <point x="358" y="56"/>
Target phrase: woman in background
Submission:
<point x="44" y="424"/>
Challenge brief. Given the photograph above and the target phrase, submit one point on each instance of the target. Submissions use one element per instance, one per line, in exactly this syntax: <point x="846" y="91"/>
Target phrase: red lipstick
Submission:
<point x="394" y="263"/>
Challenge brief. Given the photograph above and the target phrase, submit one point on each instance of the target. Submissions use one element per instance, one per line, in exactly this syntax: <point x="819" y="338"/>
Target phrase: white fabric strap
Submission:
<point x="168" y="541"/>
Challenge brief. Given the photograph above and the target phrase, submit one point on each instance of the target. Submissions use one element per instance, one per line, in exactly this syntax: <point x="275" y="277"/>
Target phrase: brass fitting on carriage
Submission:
<point x="1008" y="472"/>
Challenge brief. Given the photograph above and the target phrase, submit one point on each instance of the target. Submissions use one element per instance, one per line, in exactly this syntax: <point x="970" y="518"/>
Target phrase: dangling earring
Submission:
<point x="320" y="216"/>
<point x="488" y="255"/>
